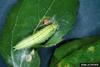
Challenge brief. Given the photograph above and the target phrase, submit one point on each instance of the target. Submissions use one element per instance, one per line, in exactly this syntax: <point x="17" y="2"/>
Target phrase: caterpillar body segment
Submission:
<point x="37" y="38"/>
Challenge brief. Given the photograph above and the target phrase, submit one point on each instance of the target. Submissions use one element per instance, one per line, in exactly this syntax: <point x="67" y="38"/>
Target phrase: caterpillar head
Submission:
<point x="48" y="20"/>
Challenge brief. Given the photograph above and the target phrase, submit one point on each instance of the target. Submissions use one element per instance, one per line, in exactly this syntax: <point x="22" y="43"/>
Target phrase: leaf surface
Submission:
<point x="24" y="19"/>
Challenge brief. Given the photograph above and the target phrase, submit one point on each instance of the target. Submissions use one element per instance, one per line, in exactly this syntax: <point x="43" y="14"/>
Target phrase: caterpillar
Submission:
<point x="37" y="38"/>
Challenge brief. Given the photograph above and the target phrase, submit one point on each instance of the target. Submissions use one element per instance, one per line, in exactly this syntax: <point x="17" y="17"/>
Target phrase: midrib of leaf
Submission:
<point x="12" y="34"/>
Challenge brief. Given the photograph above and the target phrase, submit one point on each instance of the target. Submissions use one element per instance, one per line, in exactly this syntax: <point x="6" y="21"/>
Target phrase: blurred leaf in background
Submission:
<point x="71" y="54"/>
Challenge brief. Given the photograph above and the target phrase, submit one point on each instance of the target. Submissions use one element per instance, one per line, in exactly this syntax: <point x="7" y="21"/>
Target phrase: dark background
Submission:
<point x="88" y="23"/>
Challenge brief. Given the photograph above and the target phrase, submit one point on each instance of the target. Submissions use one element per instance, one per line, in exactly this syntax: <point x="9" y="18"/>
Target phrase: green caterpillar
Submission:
<point x="37" y="38"/>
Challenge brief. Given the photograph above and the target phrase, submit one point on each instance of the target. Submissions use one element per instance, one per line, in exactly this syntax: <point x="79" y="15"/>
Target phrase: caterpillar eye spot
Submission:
<point x="46" y="22"/>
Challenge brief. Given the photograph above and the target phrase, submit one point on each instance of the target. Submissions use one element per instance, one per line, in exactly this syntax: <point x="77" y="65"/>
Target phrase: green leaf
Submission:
<point x="77" y="51"/>
<point x="24" y="19"/>
<point x="90" y="54"/>
<point x="64" y="13"/>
